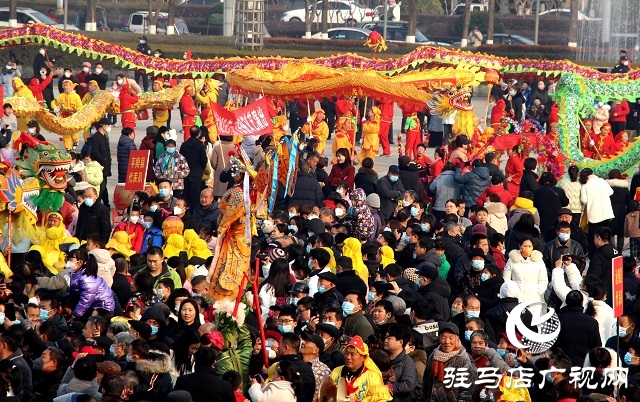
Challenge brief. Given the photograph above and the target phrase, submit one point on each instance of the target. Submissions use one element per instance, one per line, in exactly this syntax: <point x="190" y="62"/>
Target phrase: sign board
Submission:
<point x="137" y="170"/>
<point x="252" y="119"/>
<point x="618" y="286"/>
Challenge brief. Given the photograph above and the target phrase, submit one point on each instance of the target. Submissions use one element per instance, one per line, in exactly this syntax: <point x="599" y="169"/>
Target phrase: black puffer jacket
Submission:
<point x="474" y="183"/>
<point x="196" y="155"/>
<point x="496" y="316"/>
<point x="488" y="292"/>
<point x="600" y="265"/>
<point x="367" y="180"/>
<point x="307" y="191"/>
<point x="437" y="294"/>
<point x="125" y="146"/>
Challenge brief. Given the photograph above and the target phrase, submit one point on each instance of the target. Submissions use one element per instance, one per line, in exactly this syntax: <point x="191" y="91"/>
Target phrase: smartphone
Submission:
<point x="566" y="257"/>
<point x="261" y="256"/>
<point x="399" y="203"/>
<point x="257" y="377"/>
<point x="10" y="311"/>
<point x="269" y="343"/>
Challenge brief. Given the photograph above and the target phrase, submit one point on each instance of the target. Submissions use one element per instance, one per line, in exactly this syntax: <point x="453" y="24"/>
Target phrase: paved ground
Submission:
<point x="381" y="163"/>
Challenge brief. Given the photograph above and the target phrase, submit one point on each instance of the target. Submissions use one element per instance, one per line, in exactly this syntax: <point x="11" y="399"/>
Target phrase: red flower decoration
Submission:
<point x="216" y="338"/>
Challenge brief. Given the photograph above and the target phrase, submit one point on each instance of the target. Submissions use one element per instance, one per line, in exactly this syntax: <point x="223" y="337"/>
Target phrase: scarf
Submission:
<point x="439" y="360"/>
<point x="168" y="164"/>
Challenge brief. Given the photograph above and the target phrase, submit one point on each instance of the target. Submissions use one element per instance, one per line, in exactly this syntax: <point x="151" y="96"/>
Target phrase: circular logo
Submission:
<point x="548" y="326"/>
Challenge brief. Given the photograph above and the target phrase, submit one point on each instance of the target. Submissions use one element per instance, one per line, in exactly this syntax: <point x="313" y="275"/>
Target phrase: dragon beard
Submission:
<point x="464" y="123"/>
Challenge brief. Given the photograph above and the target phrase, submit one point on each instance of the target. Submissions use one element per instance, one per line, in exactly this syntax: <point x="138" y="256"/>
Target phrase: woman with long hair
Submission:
<point x="343" y="170"/>
<point x="273" y="290"/>
<point x="285" y="387"/>
<point x="601" y="311"/>
<point x="143" y="283"/>
<point x="572" y="186"/>
<point x="526" y="268"/>
<point x="11" y="379"/>
<point x="92" y="290"/>
<point x="188" y="319"/>
<point x="175" y="300"/>
<point x="184" y="349"/>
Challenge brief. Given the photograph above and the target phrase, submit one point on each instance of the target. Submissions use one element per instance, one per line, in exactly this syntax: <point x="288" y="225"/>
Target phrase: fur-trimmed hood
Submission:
<point x="157" y="363"/>
<point x="496" y="208"/>
<point x="515" y="256"/>
<point x="618" y="183"/>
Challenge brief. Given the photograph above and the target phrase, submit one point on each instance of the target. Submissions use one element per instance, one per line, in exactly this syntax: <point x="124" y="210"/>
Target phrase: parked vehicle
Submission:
<point x="566" y="13"/>
<point x="30" y="16"/>
<point x="397" y="32"/>
<point x="344" y="33"/>
<point x="340" y="12"/>
<point x="506" y="39"/>
<point x="139" y="23"/>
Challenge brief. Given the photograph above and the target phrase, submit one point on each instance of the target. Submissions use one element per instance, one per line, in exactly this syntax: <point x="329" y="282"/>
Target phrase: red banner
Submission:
<point x="618" y="287"/>
<point x="137" y="170"/>
<point x="252" y="119"/>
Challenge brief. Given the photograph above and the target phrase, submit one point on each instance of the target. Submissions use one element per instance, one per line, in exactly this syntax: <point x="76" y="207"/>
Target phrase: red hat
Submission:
<point x="85" y="349"/>
<point x="273" y="335"/>
<point x="606" y="125"/>
<point x="343" y="107"/>
<point x="359" y="344"/>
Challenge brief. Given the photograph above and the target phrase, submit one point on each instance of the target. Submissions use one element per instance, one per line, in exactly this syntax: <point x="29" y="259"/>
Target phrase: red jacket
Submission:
<point x="338" y="174"/>
<point x="127" y="100"/>
<point x="37" y="87"/>
<point x="498" y="112"/>
<point x="505" y="196"/>
<point x="80" y="90"/>
<point x="136" y="230"/>
<point x="619" y="112"/>
<point x="188" y="106"/>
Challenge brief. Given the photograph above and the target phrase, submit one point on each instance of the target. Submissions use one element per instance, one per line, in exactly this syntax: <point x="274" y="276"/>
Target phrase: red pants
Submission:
<point x="187" y="123"/>
<point x="413" y="139"/>
<point x="128" y="120"/>
<point x="384" y="137"/>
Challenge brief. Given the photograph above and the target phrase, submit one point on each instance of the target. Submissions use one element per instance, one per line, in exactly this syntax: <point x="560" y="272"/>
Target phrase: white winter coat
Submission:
<point x="275" y="391"/>
<point x="595" y="195"/>
<point x="606" y="322"/>
<point x="106" y="265"/>
<point x="530" y="274"/>
<point x="559" y="285"/>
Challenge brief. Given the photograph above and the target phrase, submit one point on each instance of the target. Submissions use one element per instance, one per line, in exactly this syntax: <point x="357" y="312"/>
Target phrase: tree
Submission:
<point x="171" y="18"/>
<point x="153" y="16"/>
<point x="413" y="16"/>
<point x="13" y="14"/>
<point x="310" y="13"/>
<point x="504" y="7"/>
<point x="492" y="14"/>
<point x="573" y="23"/>
<point x="325" y="19"/>
<point x="428" y="7"/>
<point x="90" y="16"/>
<point x="465" y="27"/>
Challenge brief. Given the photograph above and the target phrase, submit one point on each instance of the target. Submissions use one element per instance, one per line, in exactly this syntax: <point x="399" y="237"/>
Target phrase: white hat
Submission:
<point x="172" y="135"/>
<point x="373" y="200"/>
<point x="509" y="289"/>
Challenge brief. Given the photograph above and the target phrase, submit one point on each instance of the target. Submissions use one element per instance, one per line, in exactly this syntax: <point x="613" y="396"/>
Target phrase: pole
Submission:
<point x="256" y="307"/>
<point x="537" y="25"/>
<point x="384" y="26"/>
<point x="66" y="9"/>
<point x="9" y="243"/>
<point x="486" y="110"/>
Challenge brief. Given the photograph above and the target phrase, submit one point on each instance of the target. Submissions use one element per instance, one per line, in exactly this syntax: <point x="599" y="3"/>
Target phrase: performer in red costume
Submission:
<point x="188" y="110"/>
<point x="128" y="98"/>
<point x="386" y="118"/>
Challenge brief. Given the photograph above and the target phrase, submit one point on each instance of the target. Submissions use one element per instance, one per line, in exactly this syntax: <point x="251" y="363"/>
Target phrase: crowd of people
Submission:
<point x="373" y="287"/>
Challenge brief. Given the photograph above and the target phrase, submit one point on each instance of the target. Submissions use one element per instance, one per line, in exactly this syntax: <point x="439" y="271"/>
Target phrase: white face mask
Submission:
<point x="67" y="74"/>
<point x="43" y="73"/>
<point x="339" y="211"/>
<point x="406" y="203"/>
<point x="120" y="82"/>
<point x="177" y="210"/>
<point x="134" y="219"/>
<point x="9" y="67"/>
<point x="157" y="54"/>
<point x="98" y="70"/>
<point x="85" y="69"/>
<point x="70" y="265"/>
<point x="42" y="52"/>
<point x="108" y="129"/>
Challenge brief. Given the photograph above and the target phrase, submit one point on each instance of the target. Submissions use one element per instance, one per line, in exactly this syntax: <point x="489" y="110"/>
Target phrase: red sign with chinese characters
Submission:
<point x="618" y="287"/>
<point x="137" y="170"/>
<point x="252" y="119"/>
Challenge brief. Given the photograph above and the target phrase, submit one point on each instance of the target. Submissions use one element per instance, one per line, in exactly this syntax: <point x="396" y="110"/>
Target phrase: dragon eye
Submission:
<point x="45" y="153"/>
<point x="450" y="93"/>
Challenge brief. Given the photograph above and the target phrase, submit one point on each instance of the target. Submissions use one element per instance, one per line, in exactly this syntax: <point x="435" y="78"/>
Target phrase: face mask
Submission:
<point x="310" y="264"/>
<point x="31" y="130"/>
<point x="98" y="70"/>
<point x="418" y="282"/>
<point x="148" y="225"/>
<point x="339" y="211"/>
<point x="548" y="378"/>
<point x="622" y="332"/>
<point x="536" y="103"/>
<point x="70" y="265"/>
<point x="393" y="179"/>
<point x="348" y="308"/>
<point x="119" y="82"/>
<point x="484" y="276"/>
<point x="154" y="208"/>
<point x="88" y="202"/>
<point x="294" y="301"/>
<point x="2" y="316"/>
<point x="340" y="192"/>
<point x="404" y="238"/>
<point x="563" y="237"/>
<point x="424" y="227"/>
<point x="38" y="364"/>
<point x="163" y="192"/>
<point x="44" y="315"/>
<point x="502" y="352"/>
<point x="285" y="328"/>
<point x="292" y="215"/>
<point x="387" y="229"/>
<point x="9" y="67"/>
<point x="414" y="211"/>
<point x="478" y="265"/>
<point x="473" y="314"/>
<point x="177" y="210"/>
<point x="467" y="335"/>
<point x="272" y="354"/>
<point x="134" y="219"/>
<point x="157" y="55"/>
<point x="67" y="74"/>
<point x="43" y="73"/>
<point x="293" y="229"/>
<point x="321" y="289"/>
<point x="171" y="151"/>
<point x="92" y="131"/>
<point x="129" y="359"/>
<point x="307" y="249"/>
<point x="406" y="203"/>
<point x="414" y="256"/>
<point x="196" y="295"/>
<point x="108" y="129"/>
<point x="85" y="69"/>
<point x="371" y="296"/>
<point x="455" y="312"/>
<point x="112" y="350"/>
<point x="512" y="93"/>
<point x="154" y="330"/>
<point x="312" y="216"/>
<point x="628" y="358"/>
<point x="42" y="52"/>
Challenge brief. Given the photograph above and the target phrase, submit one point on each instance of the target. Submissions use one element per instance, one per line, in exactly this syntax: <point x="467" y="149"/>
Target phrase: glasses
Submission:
<point x="285" y="322"/>
<point x="300" y="311"/>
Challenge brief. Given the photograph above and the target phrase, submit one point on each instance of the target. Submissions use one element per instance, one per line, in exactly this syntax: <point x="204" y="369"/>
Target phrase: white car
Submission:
<point x="340" y="12"/>
<point x="30" y="16"/>
<point x="566" y="13"/>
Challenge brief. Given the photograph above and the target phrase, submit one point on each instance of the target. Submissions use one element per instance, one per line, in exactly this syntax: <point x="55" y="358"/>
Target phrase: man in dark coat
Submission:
<point x="434" y="290"/>
<point x="496" y="317"/>
<point x="195" y="153"/>
<point x="307" y="190"/>
<point x="204" y="384"/>
<point x="577" y="233"/>
<point x="101" y="153"/>
<point x="548" y="199"/>
<point x="288" y="349"/>
<point x="144" y="48"/>
<point x="125" y="146"/>
<point x="98" y="75"/>
<point x="580" y="332"/>
<point x="600" y="263"/>
<point x="47" y="374"/>
<point x="474" y="182"/>
<point x="206" y="212"/>
<point x="390" y="190"/>
<point x="348" y="279"/>
<point x="408" y="176"/>
<point x="93" y="217"/>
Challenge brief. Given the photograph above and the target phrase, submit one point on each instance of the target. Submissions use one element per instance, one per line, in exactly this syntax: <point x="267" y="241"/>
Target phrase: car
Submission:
<point x="566" y="13"/>
<point x="345" y="33"/>
<point x="508" y="39"/>
<point x="30" y="16"/>
<point x="397" y="32"/>
<point x="340" y="12"/>
<point x="139" y="23"/>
